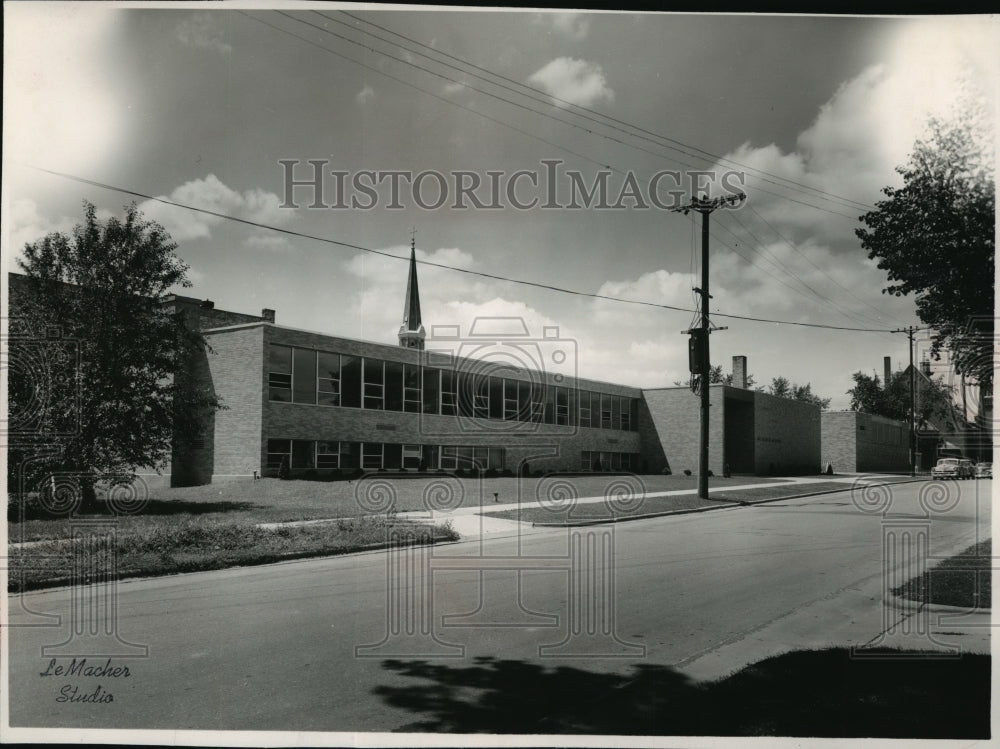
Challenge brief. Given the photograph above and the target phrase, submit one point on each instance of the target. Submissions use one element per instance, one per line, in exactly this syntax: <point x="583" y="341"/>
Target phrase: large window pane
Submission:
<point x="304" y="376"/>
<point x="279" y="378"/>
<point x="449" y="395"/>
<point x="496" y="460"/>
<point x="328" y="455"/>
<point x="371" y="455"/>
<point x="481" y="406"/>
<point x="605" y="401"/>
<point x="350" y="381"/>
<point x="481" y="455"/>
<point x="496" y="397"/>
<point x="549" y="403"/>
<point x="302" y="454"/>
<point x="374" y="384"/>
<point x="616" y="412"/>
<point x="466" y="384"/>
<point x="510" y="400"/>
<point x="392" y="456"/>
<point x="412" y="456"/>
<point x="277" y="450"/>
<point x="411" y="388"/>
<point x="328" y="383"/>
<point x="431" y="457"/>
<point x="350" y="454"/>
<point x="432" y="391"/>
<point x="393" y="386"/>
<point x="585" y="420"/>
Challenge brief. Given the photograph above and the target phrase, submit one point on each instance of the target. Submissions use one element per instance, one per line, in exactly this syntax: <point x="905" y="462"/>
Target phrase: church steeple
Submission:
<point x="411" y="332"/>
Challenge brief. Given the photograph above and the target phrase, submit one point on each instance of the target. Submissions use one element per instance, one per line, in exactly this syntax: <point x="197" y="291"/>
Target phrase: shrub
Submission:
<point x="284" y="470"/>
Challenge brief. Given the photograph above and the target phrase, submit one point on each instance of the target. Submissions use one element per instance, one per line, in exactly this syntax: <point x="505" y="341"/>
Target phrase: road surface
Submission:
<point x="323" y="645"/>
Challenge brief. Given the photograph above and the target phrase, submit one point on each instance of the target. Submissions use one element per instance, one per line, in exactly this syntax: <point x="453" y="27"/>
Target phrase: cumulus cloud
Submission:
<point x="450" y="89"/>
<point x="366" y="94"/>
<point x="573" y="25"/>
<point x="212" y="194"/>
<point x="267" y="243"/>
<point x="574" y="81"/>
<point x="201" y="31"/>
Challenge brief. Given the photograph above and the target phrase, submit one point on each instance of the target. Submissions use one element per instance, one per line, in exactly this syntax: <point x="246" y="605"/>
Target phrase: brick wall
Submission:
<point x="839" y="437"/>
<point x="675" y="415"/>
<point x="786" y="436"/>
<point x="237" y="374"/>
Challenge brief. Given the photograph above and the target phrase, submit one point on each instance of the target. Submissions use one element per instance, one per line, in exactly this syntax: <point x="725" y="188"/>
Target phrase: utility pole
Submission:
<point x="913" y="399"/>
<point x="699" y="335"/>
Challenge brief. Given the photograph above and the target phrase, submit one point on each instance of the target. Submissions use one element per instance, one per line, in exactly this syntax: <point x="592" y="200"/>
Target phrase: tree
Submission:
<point x="935" y="239"/>
<point x="780" y="387"/>
<point x="933" y="399"/>
<point x="119" y="403"/>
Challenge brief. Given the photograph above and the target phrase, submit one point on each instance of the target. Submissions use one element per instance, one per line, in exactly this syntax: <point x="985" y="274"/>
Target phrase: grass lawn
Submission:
<point x="963" y="580"/>
<point x="276" y="501"/>
<point x="168" y="545"/>
<point x="563" y="513"/>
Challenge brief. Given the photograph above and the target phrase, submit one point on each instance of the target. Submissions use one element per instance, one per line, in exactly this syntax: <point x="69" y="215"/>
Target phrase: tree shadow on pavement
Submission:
<point x="804" y="693"/>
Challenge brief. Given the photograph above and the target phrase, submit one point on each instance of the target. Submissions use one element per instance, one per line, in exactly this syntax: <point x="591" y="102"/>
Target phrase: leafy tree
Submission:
<point x="933" y="399"/>
<point x="118" y="404"/>
<point x="780" y="387"/>
<point x="715" y="377"/>
<point x="935" y="239"/>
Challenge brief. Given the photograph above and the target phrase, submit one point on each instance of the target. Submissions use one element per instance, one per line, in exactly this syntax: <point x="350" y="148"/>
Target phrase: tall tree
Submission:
<point x="933" y="401"/>
<point x="117" y="404"/>
<point x="935" y="238"/>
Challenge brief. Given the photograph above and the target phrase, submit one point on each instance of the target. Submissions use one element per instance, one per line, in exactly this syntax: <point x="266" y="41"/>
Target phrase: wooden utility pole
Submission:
<point x="913" y="399"/>
<point x="699" y="344"/>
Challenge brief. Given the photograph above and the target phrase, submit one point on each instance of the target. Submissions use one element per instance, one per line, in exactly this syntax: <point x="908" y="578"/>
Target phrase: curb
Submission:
<point x="901" y="602"/>
<point x="730" y="504"/>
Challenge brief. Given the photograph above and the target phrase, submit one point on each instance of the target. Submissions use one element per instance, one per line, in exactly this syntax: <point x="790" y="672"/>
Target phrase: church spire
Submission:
<point x="411" y="332"/>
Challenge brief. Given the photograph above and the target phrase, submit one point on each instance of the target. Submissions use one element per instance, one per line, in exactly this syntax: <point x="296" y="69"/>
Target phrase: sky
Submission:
<point x="200" y="105"/>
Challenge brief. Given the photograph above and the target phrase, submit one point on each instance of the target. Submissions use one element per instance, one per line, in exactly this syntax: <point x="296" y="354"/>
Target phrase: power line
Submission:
<point x="641" y="132"/>
<point x="503" y="99"/>
<point x="482" y="274"/>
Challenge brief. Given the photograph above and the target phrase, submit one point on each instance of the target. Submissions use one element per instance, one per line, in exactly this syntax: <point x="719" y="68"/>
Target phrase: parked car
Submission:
<point x="953" y="468"/>
<point x="984" y="471"/>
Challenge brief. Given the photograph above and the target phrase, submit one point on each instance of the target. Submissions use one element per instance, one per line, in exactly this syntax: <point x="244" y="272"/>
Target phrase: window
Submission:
<point x="350" y="454"/>
<point x="449" y="394"/>
<point x="411" y="388"/>
<point x="328" y="379"/>
<point x="549" y="403"/>
<point x="605" y="401"/>
<point x="571" y="397"/>
<point x="616" y="412"/>
<point x="481" y="405"/>
<point x="279" y="379"/>
<point x="412" y="456"/>
<point x="449" y="457"/>
<point x="496" y="459"/>
<point x="465" y="457"/>
<point x="510" y="400"/>
<point x="431" y="456"/>
<point x="303" y="376"/>
<point x="278" y="450"/>
<point x="432" y="391"/>
<point x="392" y="456"/>
<point x="466" y="386"/>
<point x="562" y="406"/>
<point x="328" y="455"/>
<point x="350" y="381"/>
<point x="371" y="455"/>
<point x="393" y="386"/>
<point x="585" y="408"/>
<point x="374" y="384"/>
<point x="496" y="397"/>
<point x="481" y="456"/>
<point x="303" y="454"/>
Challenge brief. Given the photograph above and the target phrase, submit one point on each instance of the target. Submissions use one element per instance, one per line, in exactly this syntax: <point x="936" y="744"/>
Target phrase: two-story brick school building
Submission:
<point x="493" y="398"/>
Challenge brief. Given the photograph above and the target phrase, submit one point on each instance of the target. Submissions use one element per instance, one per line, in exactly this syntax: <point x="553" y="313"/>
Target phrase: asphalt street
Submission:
<point x="339" y="644"/>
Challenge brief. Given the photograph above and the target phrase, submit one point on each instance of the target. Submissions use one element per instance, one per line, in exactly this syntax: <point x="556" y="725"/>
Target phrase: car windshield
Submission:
<point x="948" y="462"/>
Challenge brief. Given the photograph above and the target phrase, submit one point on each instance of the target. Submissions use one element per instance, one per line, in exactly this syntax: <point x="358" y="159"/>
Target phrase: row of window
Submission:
<point x="593" y="460"/>
<point x="319" y="378"/>
<point x="376" y="455"/>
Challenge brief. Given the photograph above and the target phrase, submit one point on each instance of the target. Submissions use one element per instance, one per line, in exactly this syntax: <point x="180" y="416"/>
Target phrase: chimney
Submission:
<point x="887" y="370"/>
<point x="208" y="304"/>
<point x="267" y="314"/>
<point x="740" y="372"/>
<point x="925" y="367"/>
